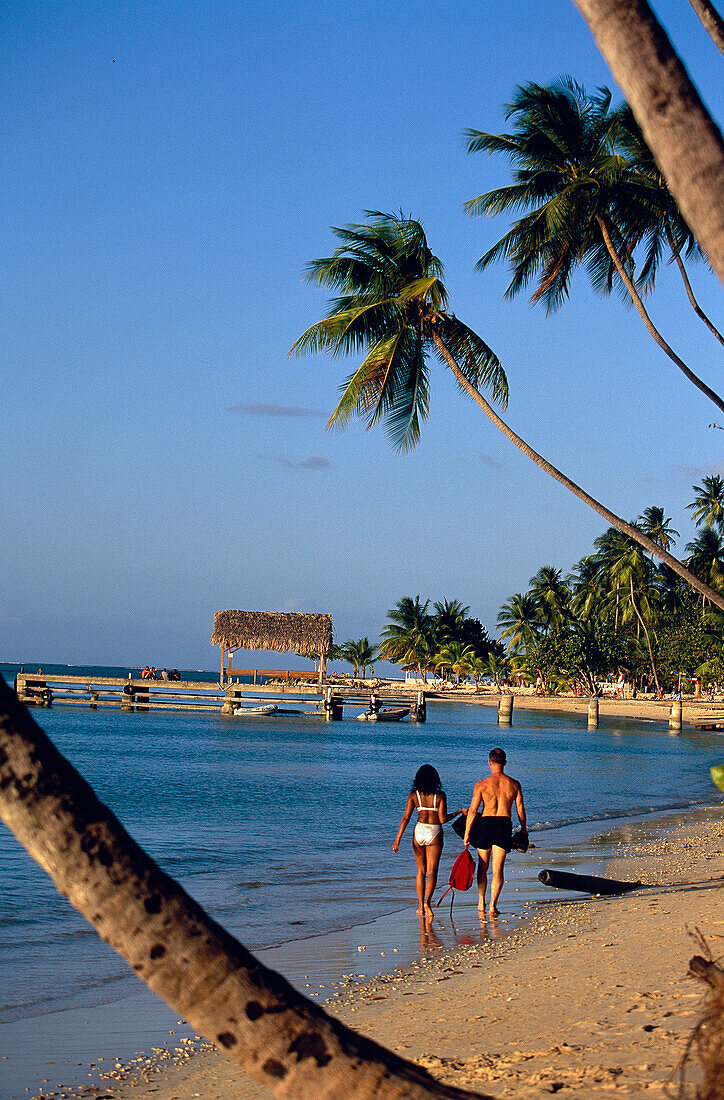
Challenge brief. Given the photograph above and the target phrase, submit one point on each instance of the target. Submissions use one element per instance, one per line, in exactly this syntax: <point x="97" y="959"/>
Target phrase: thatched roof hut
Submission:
<point x="310" y="635"/>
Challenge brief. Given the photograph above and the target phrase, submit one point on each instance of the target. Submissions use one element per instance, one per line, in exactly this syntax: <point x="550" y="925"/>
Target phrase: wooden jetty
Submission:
<point x="134" y="695"/>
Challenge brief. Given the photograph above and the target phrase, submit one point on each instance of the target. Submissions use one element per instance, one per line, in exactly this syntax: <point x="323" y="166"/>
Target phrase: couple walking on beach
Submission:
<point x="490" y="831"/>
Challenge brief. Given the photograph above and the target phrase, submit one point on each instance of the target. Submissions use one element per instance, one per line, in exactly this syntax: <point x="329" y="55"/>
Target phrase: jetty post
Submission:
<point x="593" y="713"/>
<point x="128" y="697"/>
<point x="675" y="721"/>
<point x="505" y="711"/>
<point x="333" y="706"/>
<point x="418" y="708"/>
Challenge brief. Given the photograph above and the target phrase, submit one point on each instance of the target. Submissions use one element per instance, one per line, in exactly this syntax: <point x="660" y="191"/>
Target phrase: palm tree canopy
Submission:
<point x="390" y="299"/>
<point x="707" y="507"/>
<point x="567" y="171"/>
<point x="654" y="523"/>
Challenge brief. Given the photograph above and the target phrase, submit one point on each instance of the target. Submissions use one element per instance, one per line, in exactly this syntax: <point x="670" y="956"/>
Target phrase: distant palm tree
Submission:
<point x="408" y="621"/>
<point x="391" y="304"/>
<point x="707" y="507"/>
<point x="457" y="657"/>
<point x="630" y="581"/>
<point x="519" y="621"/>
<point x="449" y="619"/>
<point x="359" y="654"/>
<point x="653" y="522"/>
<point x="706" y="557"/>
<point x="587" y="585"/>
<point x="551" y="596"/>
<point x="586" y="203"/>
<point x="497" y="669"/>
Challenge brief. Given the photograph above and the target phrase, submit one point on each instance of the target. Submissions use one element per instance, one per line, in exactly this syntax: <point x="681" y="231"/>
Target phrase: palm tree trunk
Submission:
<point x="255" y="1017"/>
<point x="690" y="293"/>
<point x="711" y="20"/>
<point x="643" y="624"/>
<point x="610" y="517"/>
<point x="650" y="327"/>
<point x="676" y="125"/>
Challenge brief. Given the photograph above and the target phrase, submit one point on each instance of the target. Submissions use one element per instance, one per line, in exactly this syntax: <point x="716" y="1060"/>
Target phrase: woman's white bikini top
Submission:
<point x="420" y="805"/>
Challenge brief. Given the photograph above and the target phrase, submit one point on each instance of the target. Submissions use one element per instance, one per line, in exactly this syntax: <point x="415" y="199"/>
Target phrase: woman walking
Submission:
<point x="430" y="801"/>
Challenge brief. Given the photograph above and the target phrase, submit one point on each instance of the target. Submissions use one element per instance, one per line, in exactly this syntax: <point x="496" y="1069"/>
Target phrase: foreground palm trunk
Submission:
<point x="626" y="528"/>
<point x="686" y="143"/>
<point x="252" y="1014"/>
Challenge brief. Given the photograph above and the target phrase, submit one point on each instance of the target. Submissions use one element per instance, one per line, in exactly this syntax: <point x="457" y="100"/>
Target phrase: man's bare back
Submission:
<point x="497" y="794"/>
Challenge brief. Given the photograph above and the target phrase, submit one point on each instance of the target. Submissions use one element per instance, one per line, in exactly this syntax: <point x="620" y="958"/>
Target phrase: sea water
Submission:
<point x="281" y="827"/>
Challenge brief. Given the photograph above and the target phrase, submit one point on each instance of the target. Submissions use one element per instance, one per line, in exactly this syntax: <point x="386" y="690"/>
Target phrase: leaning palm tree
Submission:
<point x="391" y="305"/>
<point x="585" y="202"/>
<point x="667" y="232"/>
<point x="707" y="507"/>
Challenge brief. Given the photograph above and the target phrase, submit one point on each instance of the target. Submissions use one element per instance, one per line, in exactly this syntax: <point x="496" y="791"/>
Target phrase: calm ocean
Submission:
<point x="282" y="827"/>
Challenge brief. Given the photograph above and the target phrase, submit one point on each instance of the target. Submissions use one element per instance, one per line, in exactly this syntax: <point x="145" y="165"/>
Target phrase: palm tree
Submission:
<point x="449" y="619"/>
<point x="519" y="621"/>
<point x="707" y="507"/>
<point x="706" y="557"/>
<point x="630" y="580"/>
<point x="667" y="230"/>
<point x="497" y="669"/>
<point x="586" y="584"/>
<point x="457" y="657"/>
<point x="392" y="305"/>
<point x="359" y="655"/>
<point x="408" y="622"/>
<point x="653" y="522"/>
<point x="551" y="597"/>
<point x="587" y="204"/>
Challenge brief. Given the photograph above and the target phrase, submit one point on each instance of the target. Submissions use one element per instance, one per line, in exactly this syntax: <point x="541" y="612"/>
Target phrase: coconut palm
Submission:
<point x="586" y="203"/>
<point x="629" y="572"/>
<point x="706" y="557"/>
<point x="519" y="621"/>
<point x="497" y="669"/>
<point x="408" y="620"/>
<point x="551" y="597"/>
<point x="448" y="619"/>
<point x="392" y="305"/>
<point x="457" y="657"/>
<point x="653" y="522"/>
<point x="707" y="507"/>
<point x="359" y="654"/>
<point x="586" y="584"/>
<point x="667" y="231"/>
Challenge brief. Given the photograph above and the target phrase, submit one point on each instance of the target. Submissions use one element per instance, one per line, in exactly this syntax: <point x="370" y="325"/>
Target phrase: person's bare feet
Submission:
<point x="481" y="905"/>
<point x="494" y="911"/>
<point x="429" y="915"/>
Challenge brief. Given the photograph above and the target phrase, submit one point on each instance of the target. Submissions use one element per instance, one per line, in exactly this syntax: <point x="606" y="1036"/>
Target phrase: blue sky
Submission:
<point x="169" y="168"/>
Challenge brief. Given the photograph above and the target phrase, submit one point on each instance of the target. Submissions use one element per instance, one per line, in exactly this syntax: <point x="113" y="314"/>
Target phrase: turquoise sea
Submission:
<point x="282" y="829"/>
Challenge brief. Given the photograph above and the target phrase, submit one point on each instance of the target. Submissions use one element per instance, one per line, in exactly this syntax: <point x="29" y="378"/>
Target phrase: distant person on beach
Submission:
<point x="430" y="801"/>
<point x="492" y="830"/>
<point x="164" y="675"/>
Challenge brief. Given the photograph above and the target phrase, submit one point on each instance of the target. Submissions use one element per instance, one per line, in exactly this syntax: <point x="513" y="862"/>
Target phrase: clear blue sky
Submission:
<point x="169" y="168"/>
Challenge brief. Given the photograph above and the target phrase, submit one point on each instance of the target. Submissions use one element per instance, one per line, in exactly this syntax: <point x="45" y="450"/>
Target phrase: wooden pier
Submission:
<point x="136" y="695"/>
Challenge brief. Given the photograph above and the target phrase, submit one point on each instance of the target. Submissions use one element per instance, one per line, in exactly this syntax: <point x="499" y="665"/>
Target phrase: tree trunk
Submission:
<point x="615" y="521"/>
<point x="650" y="326"/>
<point x="686" y="143"/>
<point x="648" y="640"/>
<point x="252" y="1014"/>
<point x="689" y="292"/>
<point x="712" y="21"/>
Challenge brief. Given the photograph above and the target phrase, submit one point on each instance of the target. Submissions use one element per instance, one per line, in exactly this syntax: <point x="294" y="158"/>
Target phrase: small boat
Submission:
<point x="388" y="715"/>
<point x="250" y="712"/>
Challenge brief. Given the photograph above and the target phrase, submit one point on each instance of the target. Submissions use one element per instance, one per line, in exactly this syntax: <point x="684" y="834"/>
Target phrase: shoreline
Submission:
<point x="480" y="1015"/>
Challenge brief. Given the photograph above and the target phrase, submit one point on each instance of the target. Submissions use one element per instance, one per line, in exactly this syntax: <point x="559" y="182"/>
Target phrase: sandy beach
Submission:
<point x="587" y="997"/>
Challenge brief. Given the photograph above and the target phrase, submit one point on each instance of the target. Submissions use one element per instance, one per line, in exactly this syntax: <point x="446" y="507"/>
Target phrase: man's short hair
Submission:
<point x="497" y="756"/>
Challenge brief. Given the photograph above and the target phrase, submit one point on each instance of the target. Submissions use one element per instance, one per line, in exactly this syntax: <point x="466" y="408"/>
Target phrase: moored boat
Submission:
<point x="250" y="712"/>
<point x="391" y="714"/>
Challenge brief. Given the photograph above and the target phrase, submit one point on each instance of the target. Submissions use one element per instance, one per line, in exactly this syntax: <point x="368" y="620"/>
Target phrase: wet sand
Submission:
<point x="589" y="996"/>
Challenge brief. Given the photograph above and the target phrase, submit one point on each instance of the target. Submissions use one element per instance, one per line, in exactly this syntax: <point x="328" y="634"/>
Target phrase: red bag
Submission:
<point x="462" y="874"/>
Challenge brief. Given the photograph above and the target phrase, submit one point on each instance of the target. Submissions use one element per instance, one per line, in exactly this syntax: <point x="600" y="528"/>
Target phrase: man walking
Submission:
<point x="491" y="831"/>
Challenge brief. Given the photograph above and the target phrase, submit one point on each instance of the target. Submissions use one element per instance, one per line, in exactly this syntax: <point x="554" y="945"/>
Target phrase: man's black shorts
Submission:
<point x="487" y="831"/>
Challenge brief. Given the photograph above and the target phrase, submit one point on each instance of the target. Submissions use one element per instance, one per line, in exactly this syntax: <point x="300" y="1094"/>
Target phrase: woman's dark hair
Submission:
<point x="427" y="781"/>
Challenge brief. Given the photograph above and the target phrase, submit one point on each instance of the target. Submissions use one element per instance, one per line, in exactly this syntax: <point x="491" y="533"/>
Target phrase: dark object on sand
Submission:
<point x="588" y="884"/>
<point x="462" y="874"/>
<point x="519" y="841"/>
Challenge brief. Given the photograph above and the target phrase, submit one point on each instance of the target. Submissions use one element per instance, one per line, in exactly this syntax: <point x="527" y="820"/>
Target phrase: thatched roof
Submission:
<point x="308" y="635"/>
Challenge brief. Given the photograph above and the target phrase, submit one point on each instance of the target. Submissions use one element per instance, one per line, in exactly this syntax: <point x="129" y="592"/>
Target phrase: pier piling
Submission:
<point x="675" y="720"/>
<point x="593" y="714"/>
<point x="505" y="711"/>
